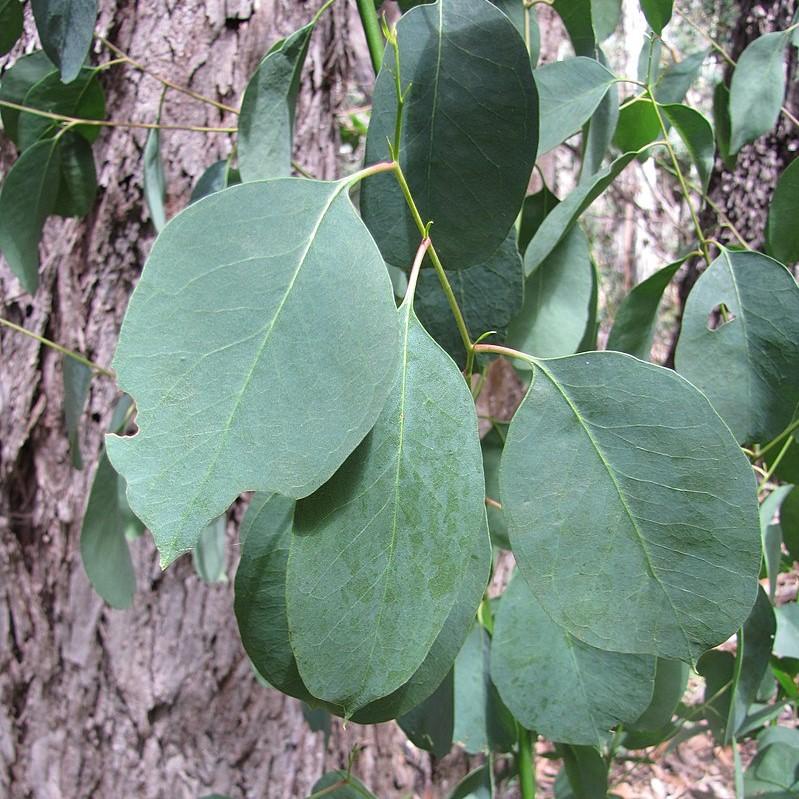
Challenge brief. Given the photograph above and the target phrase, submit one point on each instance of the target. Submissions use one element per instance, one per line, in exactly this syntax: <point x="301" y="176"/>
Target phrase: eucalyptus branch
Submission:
<point x="437" y="265"/>
<point x="371" y="29"/>
<point x="680" y="177"/>
<point x="110" y="123"/>
<point x="775" y="463"/>
<point x="124" y="58"/>
<point x="95" y="367"/>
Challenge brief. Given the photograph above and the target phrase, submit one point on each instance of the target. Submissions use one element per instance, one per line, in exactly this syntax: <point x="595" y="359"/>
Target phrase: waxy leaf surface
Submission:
<point x="260" y="590"/>
<point x="469" y="133"/>
<point x="242" y="353"/>
<point x="782" y="231"/>
<point x="11" y="20"/>
<point x="568" y="92"/>
<point x="65" y="28"/>
<point x="429" y="724"/>
<point x="155" y="180"/>
<point x="15" y="83"/>
<point x="266" y="122"/>
<point x="747" y="366"/>
<point x="697" y="135"/>
<point x="663" y="539"/>
<point x="77" y="188"/>
<point x="379" y="553"/>
<point x="557" y="685"/>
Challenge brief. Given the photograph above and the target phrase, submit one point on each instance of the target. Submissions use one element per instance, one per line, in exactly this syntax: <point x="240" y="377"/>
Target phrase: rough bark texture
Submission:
<point x="156" y="701"/>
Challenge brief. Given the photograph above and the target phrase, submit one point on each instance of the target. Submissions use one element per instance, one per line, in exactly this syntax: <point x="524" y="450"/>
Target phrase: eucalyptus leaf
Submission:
<point x="782" y="232"/>
<point x="556" y="684"/>
<point x="11" y="21"/>
<point x="318" y="720"/>
<point x="218" y="176"/>
<point x="559" y="221"/>
<point x="557" y="297"/>
<point x="535" y="209"/>
<point x="66" y="28"/>
<point x="697" y="135"/>
<point x="429" y="725"/>
<point x="235" y="389"/>
<point x="757" y="89"/>
<point x="605" y="16"/>
<point x="384" y="523"/>
<point x="492" y="444"/>
<point x="209" y="552"/>
<point x="14" y="85"/>
<point x="774" y="771"/>
<point x="586" y="771"/>
<point x="789" y="522"/>
<point x="576" y="16"/>
<point x="674" y="82"/>
<point x="786" y="642"/>
<point x="747" y="366"/>
<point x="77" y="188"/>
<point x="598" y="131"/>
<point x="77" y="378"/>
<point x="103" y="546"/>
<point x="569" y="92"/>
<point x="638" y="125"/>
<point x="657" y="13"/>
<point x="266" y="121"/>
<point x="477" y="784"/>
<point x="633" y="329"/>
<point x="154" y="180"/>
<point x="82" y="98"/>
<point x="649" y="526"/>
<point x="27" y="198"/>
<point x="489" y="296"/>
<point x="722" y="124"/>
<point x="469" y="133"/>
<point x="771" y="535"/>
<point x="671" y="680"/>
<point x="346" y="786"/>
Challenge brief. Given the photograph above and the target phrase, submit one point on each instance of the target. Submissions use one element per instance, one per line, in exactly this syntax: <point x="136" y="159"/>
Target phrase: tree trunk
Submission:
<point x="158" y="700"/>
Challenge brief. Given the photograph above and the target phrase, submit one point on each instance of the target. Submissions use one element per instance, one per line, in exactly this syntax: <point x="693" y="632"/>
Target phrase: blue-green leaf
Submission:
<point x="649" y="524"/>
<point x="77" y="378"/>
<point x="78" y="186"/>
<point x="66" y="28"/>
<point x="15" y="83"/>
<point x="154" y="180"/>
<point x="429" y="725"/>
<point x="469" y="133"/>
<point x="746" y="365"/>
<point x="657" y="13"/>
<point x="782" y="232"/>
<point x="209" y="552"/>
<point x="234" y="383"/>
<point x="697" y="135"/>
<point x="11" y="20"/>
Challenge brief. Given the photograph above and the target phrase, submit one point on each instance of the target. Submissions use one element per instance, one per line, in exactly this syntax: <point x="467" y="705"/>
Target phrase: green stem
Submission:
<point x="400" y="97"/>
<point x="111" y="123"/>
<point x="773" y="443"/>
<point x="371" y="29"/>
<point x="680" y="177"/>
<point x="498" y="349"/>
<point x="58" y="348"/>
<point x="375" y="169"/>
<point x="524" y="761"/>
<point x="417" y="265"/>
<point x="437" y="265"/>
<point x="773" y="468"/>
<point x="321" y="11"/>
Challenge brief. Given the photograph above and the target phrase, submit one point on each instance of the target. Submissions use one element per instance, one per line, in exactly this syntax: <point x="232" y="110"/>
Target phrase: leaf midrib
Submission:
<point x="611" y="473"/>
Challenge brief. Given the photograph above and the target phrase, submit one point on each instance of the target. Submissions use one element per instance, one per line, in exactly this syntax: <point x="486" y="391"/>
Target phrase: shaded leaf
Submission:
<point x="429" y="725"/>
<point x="586" y="771"/>
<point x="789" y="522"/>
<point x="535" y="209"/>
<point x="154" y="180"/>
<point x="633" y="329"/>
<point x="722" y="124"/>
<point x="477" y="784"/>
<point x="103" y="546"/>
<point x="77" y="378"/>
<point x="786" y="642"/>
<point x="65" y="28"/>
<point x="492" y="444"/>
<point x="349" y="787"/>
<point x="568" y="93"/>
<point x="558" y="222"/>
<point x="78" y="186"/>
<point x="605" y="16"/>
<point x="318" y="720"/>
<point x="671" y="680"/>
<point x="697" y="135"/>
<point x="649" y="525"/>
<point x="266" y="121"/>
<point x="11" y="20"/>
<point x="557" y="297"/>
<point x="83" y="98"/>
<point x="14" y="85"/>
<point x="218" y="176"/>
<point x="204" y="345"/>
<point x="469" y="134"/>
<point x="771" y="535"/>
<point x="657" y="13"/>
<point x="638" y="125"/>
<point x="782" y="231"/>
<point x="27" y="197"/>
<point x="774" y="772"/>
<point x="598" y="131"/>
<point x="554" y="683"/>
<point x="673" y="83"/>
<point x="576" y="16"/>
<point x="489" y="296"/>
<point x="384" y="523"/>
<point x="747" y="366"/>
<point x="757" y="89"/>
<point x="208" y="554"/>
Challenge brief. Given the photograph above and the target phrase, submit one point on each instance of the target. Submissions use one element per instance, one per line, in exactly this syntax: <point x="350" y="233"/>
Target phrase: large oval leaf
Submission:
<point x="266" y="122"/>
<point x="747" y="366"/>
<point x="662" y="538"/>
<point x="379" y="552"/>
<point x="469" y="133"/>
<point x="261" y="613"/>
<point x="242" y="355"/>
<point x="556" y="684"/>
<point x="15" y="83"/>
